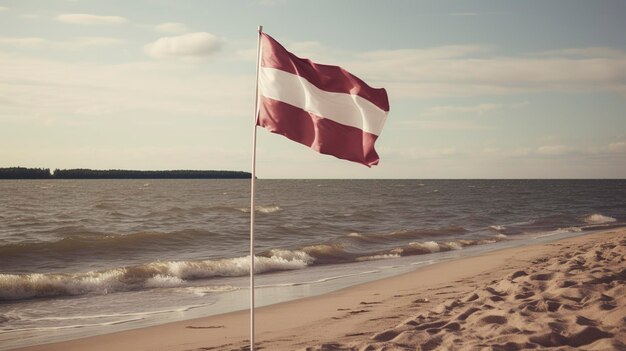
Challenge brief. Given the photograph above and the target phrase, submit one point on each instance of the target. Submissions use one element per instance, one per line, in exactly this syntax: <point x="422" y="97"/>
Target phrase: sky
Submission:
<point x="477" y="89"/>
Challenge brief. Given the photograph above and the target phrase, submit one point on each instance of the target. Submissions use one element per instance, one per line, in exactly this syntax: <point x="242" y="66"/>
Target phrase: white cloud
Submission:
<point x="554" y="150"/>
<point x="24" y="42"/>
<point x="89" y="19"/>
<point x="172" y="28"/>
<point x="479" y="109"/>
<point x="475" y="109"/>
<point x="45" y="91"/>
<point x="42" y="43"/>
<point x="468" y="71"/>
<point x="590" y="52"/>
<point x="545" y="152"/>
<point x="436" y="53"/>
<point x="423" y="153"/>
<point x="566" y="151"/>
<point x="619" y="146"/>
<point x="444" y="125"/>
<point x="3" y="8"/>
<point x="190" y="46"/>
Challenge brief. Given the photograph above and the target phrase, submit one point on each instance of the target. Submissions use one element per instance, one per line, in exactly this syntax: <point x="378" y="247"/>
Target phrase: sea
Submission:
<point x="86" y="257"/>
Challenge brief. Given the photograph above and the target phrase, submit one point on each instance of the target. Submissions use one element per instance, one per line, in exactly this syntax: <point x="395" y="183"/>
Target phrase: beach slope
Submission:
<point x="568" y="294"/>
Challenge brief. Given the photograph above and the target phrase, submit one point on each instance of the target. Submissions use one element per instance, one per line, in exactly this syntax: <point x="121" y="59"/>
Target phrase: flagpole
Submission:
<point x="252" y="183"/>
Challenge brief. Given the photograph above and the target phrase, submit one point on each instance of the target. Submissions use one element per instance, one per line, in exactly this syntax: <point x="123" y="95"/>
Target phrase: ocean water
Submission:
<point x="82" y="257"/>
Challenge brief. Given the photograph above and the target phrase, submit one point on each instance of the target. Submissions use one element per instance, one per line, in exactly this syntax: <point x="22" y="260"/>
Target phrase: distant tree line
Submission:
<point x="25" y="173"/>
<point x="80" y="173"/>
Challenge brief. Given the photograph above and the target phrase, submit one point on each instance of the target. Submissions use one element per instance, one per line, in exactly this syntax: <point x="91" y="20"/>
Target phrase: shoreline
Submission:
<point x="344" y="318"/>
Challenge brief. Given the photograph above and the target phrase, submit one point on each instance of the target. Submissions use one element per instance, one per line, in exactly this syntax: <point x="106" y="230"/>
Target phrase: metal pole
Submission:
<point x="252" y="182"/>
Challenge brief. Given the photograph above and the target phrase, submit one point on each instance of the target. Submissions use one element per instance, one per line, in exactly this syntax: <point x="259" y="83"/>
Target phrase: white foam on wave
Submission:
<point x="231" y="267"/>
<point x="497" y="227"/>
<point x="597" y="218"/>
<point x="454" y="245"/>
<point x="23" y="286"/>
<point x="292" y="255"/>
<point x="206" y="290"/>
<point x="558" y="231"/>
<point x="430" y="245"/>
<point x="262" y="209"/>
<point x="377" y="257"/>
<point x="163" y="281"/>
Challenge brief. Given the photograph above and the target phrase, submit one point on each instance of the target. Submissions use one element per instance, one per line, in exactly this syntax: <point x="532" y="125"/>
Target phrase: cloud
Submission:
<point x="172" y="28"/>
<point x="45" y="91"/>
<point x="479" y="109"/>
<point x="543" y="152"/>
<point x="619" y="146"/>
<point x="554" y="150"/>
<point x="88" y="19"/>
<point x="42" y="43"/>
<point x="590" y="52"/>
<point x="444" y="125"/>
<point x="416" y="55"/>
<point x="29" y="16"/>
<point x="422" y="153"/>
<point x="24" y="42"/>
<point x="474" y="70"/>
<point x="561" y="151"/>
<point x="191" y="46"/>
<point x="475" y="109"/>
<point x="4" y="8"/>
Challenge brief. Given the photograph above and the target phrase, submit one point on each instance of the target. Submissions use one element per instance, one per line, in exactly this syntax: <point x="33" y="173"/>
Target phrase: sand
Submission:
<point x="565" y="295"/>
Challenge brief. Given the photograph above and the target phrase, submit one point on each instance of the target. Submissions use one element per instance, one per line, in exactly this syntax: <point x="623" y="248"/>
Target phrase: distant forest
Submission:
<point x="44" y="173"/>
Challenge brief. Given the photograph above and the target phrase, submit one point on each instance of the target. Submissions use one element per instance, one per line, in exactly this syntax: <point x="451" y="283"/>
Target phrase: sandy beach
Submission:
<point x="569" y="294"/>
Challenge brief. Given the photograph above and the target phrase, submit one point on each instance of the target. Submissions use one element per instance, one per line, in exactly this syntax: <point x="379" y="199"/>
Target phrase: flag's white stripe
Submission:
<point x="347" y="109"/>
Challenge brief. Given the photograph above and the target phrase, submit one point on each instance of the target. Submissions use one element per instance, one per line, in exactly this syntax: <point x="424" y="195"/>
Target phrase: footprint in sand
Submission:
<point x="493" y="319"/>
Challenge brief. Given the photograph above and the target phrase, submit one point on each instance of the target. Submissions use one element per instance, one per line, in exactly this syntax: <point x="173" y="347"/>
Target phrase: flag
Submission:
<point x="321" y="106"/>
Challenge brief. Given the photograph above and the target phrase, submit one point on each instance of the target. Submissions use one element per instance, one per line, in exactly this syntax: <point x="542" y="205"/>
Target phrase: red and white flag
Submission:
<point x="321" y="106"/>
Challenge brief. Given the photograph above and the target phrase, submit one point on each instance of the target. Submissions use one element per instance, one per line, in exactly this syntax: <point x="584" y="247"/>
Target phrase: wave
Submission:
<point x="429" y="232"/>
<point x="178" y="274"/>
<point x="167" y="274"/>
<point x="406" y="234"/>
<point x="421" y="248"/>
<point x="261" y="209"/>
<point x="377" y="257"/>
<point x="337" y="253"/>
<point x="597" y="218"/>
<point x="329" y="253"/>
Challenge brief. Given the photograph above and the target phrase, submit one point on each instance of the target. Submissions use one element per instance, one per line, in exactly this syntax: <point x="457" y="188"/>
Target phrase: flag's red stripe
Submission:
<point x="329" y="78"/>
<point x="321" y="134"/>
